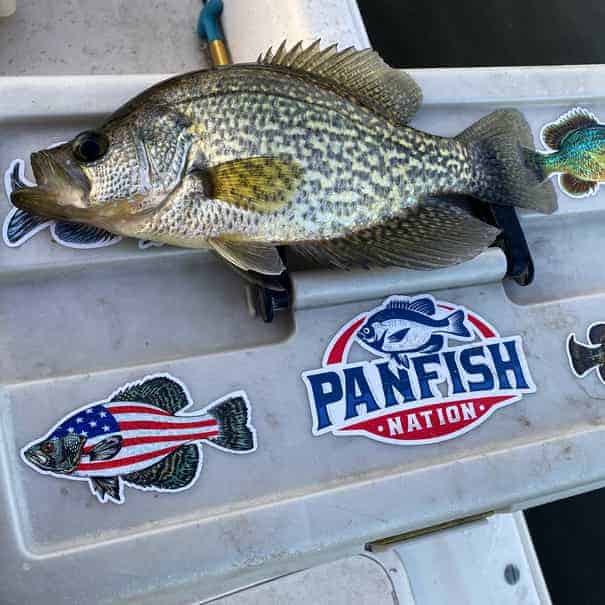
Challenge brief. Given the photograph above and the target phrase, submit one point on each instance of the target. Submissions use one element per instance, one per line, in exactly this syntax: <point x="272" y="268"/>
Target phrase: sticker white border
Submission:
<point x="549" y="150"/>
<point x="477" y="338"/>
<point x="121" y="481"/>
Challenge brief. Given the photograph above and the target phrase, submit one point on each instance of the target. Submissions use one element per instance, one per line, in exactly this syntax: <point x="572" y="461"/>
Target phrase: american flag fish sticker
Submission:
<point x="142" y="437"/>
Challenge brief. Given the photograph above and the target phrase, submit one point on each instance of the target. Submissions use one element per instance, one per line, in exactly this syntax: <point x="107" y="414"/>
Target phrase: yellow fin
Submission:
<point x="262" y="183"/>
<point x="389" y="92"/>
<point x="249" y="256"/>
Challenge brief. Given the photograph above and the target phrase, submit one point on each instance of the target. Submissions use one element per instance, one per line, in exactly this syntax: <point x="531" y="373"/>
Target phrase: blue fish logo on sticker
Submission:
<point x="439" y="371"/>
<point x="403" y="326"/>
<point x="142" y="437"/>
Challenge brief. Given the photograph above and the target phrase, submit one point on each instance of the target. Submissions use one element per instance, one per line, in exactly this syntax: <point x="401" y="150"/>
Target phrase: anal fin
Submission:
<point x="435" y="234"/>
<point x="106" y="488"/>
<point x="176" y="471"/>
<point x="577" y="187"/>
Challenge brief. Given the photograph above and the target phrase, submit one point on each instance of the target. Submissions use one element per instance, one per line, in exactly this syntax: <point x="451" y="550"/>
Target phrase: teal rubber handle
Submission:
<point x="209" y="21"/>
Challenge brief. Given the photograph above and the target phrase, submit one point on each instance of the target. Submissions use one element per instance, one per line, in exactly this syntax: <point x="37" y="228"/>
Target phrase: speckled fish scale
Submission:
<point x="333" y="139"/>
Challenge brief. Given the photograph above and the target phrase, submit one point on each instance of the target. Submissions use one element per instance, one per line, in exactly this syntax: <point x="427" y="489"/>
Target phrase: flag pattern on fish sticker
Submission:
<point x="439" y="371"/>
<point x="142" y="437"/>
<point x="148" y="435"/>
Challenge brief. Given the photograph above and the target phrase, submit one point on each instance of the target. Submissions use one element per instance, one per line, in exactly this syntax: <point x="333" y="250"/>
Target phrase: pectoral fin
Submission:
<point x="398" y="336"/>
<point x="106" y="488"/>
<point x="262" y="183"/>
<point x="106" y="449"/>
<point x="249" y="256"/>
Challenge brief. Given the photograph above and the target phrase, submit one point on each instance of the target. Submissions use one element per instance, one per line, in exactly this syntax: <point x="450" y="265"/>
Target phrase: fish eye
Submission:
<point x="90" y="146"/>
<point x="366" y="330"/>
<point x="48" y="447"/>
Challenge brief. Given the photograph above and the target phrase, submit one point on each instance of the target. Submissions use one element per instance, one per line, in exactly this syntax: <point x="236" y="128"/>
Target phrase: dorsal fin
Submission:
<point x="423" y="305"/>
<point x="397" y="303"/>
<point x="420" y="305"/>
<point x="554" y="133"/>
<point x="163" y="392"/>
<point x="389" y="92"/>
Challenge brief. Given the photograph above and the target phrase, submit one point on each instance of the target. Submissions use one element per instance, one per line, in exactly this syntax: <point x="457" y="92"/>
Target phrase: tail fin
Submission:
<point x="581" y="357"/>
<point x="456" y="323"/>
<point x="508" y="171"/>
<point x="235" y="432"/>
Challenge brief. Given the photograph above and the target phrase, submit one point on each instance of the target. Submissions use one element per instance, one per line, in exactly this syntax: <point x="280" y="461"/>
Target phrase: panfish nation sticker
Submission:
<point x="436" y="371"/>
<point x="141" y="436"/>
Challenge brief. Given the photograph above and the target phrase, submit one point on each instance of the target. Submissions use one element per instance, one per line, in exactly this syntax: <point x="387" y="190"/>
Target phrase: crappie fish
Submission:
<point x="141" y="437"/>
<point x="307" y="148"/>
<point x="577" y="152"/>
<point x="406" y="325"/>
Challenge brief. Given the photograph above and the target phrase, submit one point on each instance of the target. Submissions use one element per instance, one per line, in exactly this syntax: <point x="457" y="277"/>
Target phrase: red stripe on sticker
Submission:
<point x="429" y="422"/>
<point x="339" y="347"/>
<point x="151" y="424"/>
<point x="107" y="464"/>
<point x="136" y="409"/>
<point x="160" y="439"/>
<point x="485" y="330"/>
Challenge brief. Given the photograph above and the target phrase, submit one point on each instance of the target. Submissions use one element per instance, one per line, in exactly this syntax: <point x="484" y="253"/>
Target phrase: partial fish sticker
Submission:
<point x="411" y="325"/>
<point x="585" y="358"/>
<point x="20" y="226"/>
<point x="575" y="144"/>
<point x="142" y="437"/>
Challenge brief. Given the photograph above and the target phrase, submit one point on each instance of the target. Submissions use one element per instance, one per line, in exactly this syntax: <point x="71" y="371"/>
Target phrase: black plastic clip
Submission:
<point x="520" y="265"/>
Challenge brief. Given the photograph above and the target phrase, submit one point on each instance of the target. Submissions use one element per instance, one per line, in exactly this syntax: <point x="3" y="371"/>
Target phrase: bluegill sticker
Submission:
<point x="141" y="436"/>
<point x="574" y="151"/>
<point x="20" y="226"/>
<point x="438" y="371"/>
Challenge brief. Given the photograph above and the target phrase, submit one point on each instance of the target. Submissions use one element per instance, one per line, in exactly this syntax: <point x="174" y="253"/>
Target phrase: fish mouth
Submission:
<point x="61" y="187"/>
<point x="37" y="458"/>
<point x="43" y="462"/>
